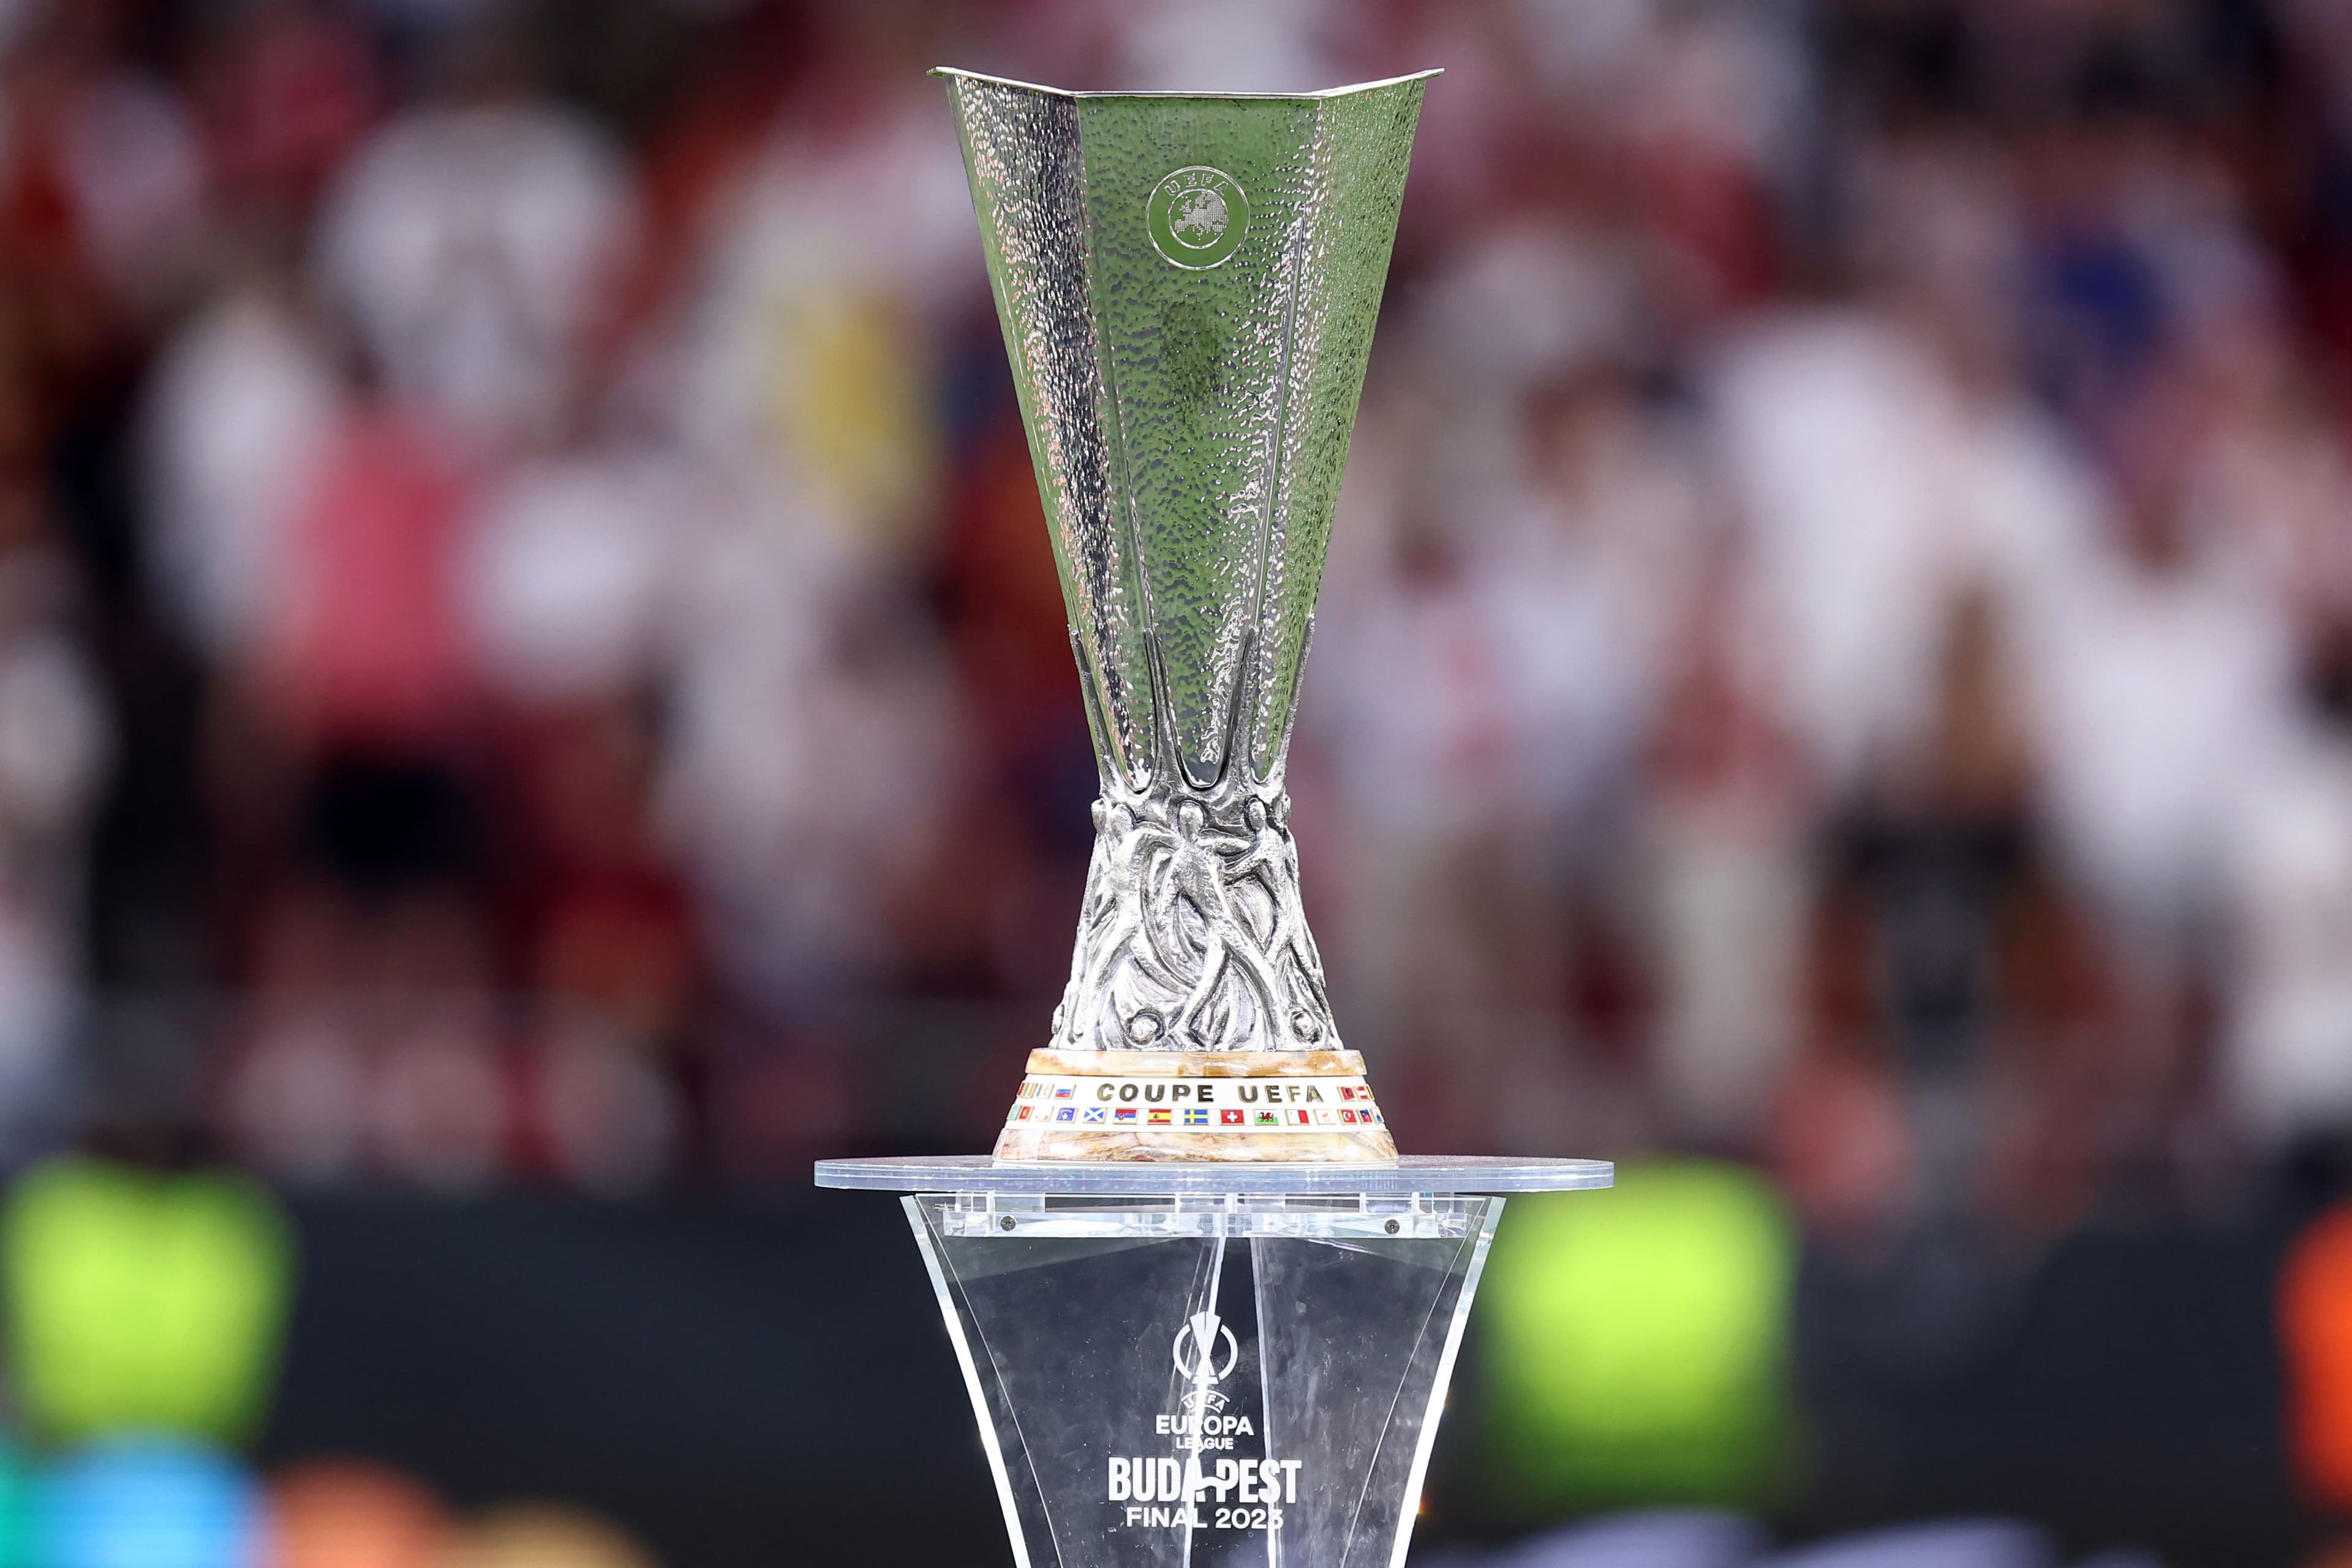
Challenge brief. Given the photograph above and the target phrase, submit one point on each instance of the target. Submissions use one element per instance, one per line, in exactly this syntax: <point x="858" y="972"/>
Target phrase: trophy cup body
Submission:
<point x="1205" y="1315"/>
<point x="1187" y="287"/>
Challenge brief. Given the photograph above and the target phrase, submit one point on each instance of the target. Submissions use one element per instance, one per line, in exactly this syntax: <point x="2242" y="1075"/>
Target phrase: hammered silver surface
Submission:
<point x="1189" y="426"/>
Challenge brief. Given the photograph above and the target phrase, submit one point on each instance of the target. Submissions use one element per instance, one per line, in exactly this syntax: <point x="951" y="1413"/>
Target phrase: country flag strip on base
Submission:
<point x="1335" y="1104"/>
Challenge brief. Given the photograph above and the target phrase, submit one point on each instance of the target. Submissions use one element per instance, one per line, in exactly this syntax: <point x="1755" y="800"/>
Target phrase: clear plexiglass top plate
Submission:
<point x="1414" y="1174"/>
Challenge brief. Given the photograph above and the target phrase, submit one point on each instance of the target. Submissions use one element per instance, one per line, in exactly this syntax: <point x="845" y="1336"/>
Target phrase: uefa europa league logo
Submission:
<point x="1201" y="1333"/>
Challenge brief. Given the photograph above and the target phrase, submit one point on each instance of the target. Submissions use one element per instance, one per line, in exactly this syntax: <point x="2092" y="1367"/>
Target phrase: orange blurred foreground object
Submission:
<point x="338" y="1515"/>
<point x="2316" y="1338"/>
<point x="539" y="1536"/>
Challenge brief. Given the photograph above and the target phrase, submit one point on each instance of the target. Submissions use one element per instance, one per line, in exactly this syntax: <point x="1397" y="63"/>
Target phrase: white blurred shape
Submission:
<point x="56" y="738"/>
<point x="1226" y="46"/>
<point x="1831" y="445"/>
<point x="2290" y="883"/>
<point x="1731" y="78"/>
<point x="1730" y="897"/>
<point x="472" y="248"/>
<point x="236" y="415"/>
<point x="1988" y="1543"/>
<point x="813" y="746"/>
<point x="2153" y="693"/>
<point x="1872" y="488"/>
<point x="1667" y="1539"/>
<point x="296" y="1098"/>
<point x="1584" y="583"/>
<point x="563" y="574"/>
<point x="56" y="742"/>
<point x="440" y="1105"/>
<point x="807" y="349"/>
<point x="609" y="1119"/>
<point x="37" y="1003"/>
<point x="1586" y="46"/>
<point x="1526" y="301"/>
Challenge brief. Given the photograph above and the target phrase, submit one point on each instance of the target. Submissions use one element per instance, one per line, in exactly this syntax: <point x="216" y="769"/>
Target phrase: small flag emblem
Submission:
<point x="1349" y="1117"/>
<point x="1124" y="1114"/>
<point x="1198" y="1116"/>
<point x="1347" y="1093"/>
<point x="1230" y="1118"/>
<point x="1065" y="1091"/>
<point x="1324" y="1118"/>
<point x="1298" y="1118"/>
<point x="1067" y="1114"/>
<point x="1268" y="1119"/>
<point x="1159" y="1118"/>
<point x="1095" y="1113"/>
<point x="1022" y="1114"/>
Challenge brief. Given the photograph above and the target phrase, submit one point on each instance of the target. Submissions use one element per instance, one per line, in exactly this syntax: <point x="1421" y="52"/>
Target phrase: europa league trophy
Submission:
<point x="1205" y="1313"/>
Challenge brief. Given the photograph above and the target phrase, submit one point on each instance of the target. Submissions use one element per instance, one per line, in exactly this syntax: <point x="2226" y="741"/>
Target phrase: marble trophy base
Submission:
<point x="1247" y="1107"/>
<point x="1201" y="1365"/>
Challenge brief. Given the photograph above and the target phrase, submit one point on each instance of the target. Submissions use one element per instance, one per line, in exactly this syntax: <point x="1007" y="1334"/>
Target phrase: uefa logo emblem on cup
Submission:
<point x="1196" y="217"/>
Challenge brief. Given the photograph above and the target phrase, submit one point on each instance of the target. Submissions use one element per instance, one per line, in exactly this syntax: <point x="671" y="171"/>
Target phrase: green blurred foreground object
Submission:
<point x="1636" y="1343"/>
<point x="137" y="1302"/>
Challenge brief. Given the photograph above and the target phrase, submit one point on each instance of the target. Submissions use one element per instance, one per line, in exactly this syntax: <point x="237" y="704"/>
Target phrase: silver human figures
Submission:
<point x="1192" y="935"/>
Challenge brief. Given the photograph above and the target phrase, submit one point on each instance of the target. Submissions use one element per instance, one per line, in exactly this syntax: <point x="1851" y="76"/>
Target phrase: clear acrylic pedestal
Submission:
<point x="1181" y="1364"/>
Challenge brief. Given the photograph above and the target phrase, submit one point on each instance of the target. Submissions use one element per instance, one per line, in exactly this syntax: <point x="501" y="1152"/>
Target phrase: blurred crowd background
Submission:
<point x="531" y="674"/>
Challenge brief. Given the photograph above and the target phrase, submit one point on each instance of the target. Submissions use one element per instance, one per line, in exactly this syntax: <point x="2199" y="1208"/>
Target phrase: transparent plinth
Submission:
<point x="1216" y="1365"/>
<point x="1403" y="1177"/>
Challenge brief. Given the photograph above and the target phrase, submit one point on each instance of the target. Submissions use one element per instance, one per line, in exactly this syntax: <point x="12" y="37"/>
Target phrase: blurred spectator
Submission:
<point x="239" y="408"/>
<point x="1723" y="847"/>
<point x="2291" y="884"/>
<point x="284" y="96"/>
<point x="361" y="647"/>
<point x="476" y="245"/>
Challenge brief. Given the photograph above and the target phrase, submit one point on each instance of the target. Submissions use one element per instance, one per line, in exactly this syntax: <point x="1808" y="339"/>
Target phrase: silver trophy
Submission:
<point x="1188" y="286"/>
<point x="1204" y="1314"/>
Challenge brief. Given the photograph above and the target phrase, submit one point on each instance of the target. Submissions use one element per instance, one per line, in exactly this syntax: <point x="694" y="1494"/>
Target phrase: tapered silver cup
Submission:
<point x="1187" y="285"/>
